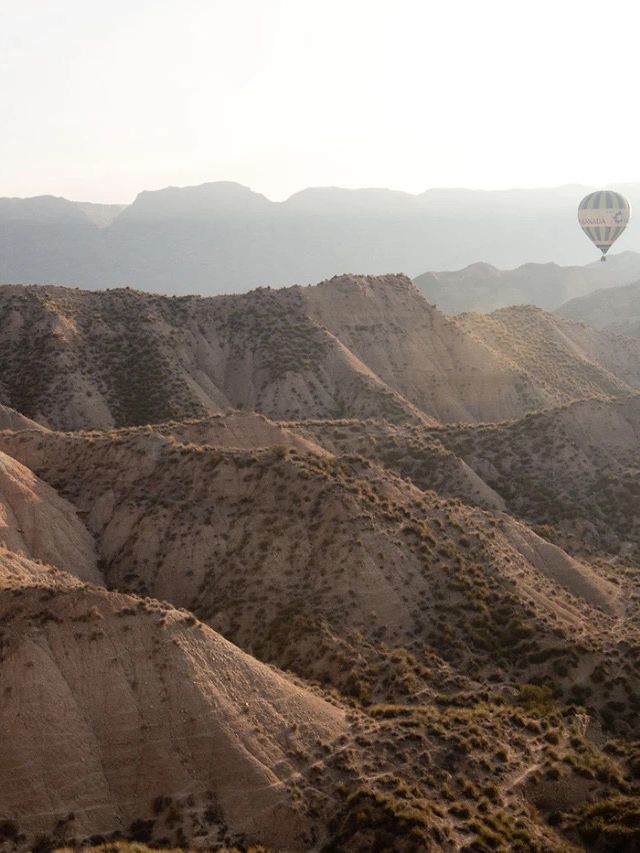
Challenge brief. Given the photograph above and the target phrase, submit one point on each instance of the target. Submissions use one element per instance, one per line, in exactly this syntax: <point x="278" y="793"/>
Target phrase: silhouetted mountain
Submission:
<point x="615" y="310"/>
<point x="50" y="239"/>
<point x="222" y="237"/>
<point x="483" y="287"/>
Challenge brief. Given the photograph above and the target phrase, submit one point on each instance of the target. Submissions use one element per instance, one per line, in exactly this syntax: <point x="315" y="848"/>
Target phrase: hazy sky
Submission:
<point x="102" y="99"/>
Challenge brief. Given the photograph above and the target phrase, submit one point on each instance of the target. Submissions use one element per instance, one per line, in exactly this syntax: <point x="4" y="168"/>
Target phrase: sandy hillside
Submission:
<point x="254" y="541"/>
<point x="564" y="361"/>
<point x="573" y="470"/>
<point x="36" y="522"/>
<point x="354" y="346"/>
<point x="411" y="450"/>
<point x="430" y="624"/>
<point x="123" y="357"/>
<point x="119" y="712"/>
<point x="10" y="419"/>
<point x="270" y="590"/>
<point x="125" y="718"/>
<point x="18" y="571"/>
<point x="234" y="430"/>
<point x="417" y="350"/>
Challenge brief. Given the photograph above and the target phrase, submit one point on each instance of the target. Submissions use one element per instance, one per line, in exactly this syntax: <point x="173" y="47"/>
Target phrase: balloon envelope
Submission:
<point x="603" y="216"/>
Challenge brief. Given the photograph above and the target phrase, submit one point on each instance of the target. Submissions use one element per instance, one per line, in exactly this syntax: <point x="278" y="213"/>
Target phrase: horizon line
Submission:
<point x="324" y="187"/>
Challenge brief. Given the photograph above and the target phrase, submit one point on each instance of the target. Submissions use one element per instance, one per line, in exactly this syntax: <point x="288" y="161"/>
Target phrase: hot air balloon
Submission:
<point x="603" y="216"/>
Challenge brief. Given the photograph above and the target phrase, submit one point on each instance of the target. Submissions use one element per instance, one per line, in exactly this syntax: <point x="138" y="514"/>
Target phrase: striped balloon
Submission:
<point x="603" y="216"/>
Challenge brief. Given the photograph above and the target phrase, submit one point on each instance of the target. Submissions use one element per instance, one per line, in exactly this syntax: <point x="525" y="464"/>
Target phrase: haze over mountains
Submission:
<point x="617" y="310"/>
<point x="222" y="237"/>
<point x="319" y="508"/>
<point x="483" y="287"/>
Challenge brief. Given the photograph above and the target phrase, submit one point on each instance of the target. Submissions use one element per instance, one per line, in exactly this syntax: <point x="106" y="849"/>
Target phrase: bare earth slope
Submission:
<point x="424" y="614"/>
<point x="124" y="714"/>
<point x="563" y="361"/>
<point x="36" y="522"/>
<point x="573" y="469"/>
<point x="249" y="539"/>
<point x="417" y="350"/>
<point x="437" y="626"/>
<point x="354" y="346"/>
<point x="10" y="419"/>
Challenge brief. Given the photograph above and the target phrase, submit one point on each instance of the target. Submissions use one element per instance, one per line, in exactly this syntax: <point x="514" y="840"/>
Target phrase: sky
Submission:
<point x="99" y="101"/>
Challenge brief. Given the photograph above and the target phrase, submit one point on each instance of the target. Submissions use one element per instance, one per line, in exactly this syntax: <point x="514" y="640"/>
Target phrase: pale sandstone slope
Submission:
<point x="351" y="347"/>
<point x="416" y="349"/>
<point x="18" y="571"/>
<point x="562" y="360"/>
<point x="36" y="522"/>
<point x="124" y="714"/>
<point x="118" y="710"/>
<point x="471" y="368"/>
<point x="246" y="539"/>
<point x="10" y="419"/>
<point x="573" y="469"/>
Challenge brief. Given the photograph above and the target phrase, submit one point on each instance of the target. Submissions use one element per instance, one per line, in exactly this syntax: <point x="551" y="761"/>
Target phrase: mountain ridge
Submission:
<point x="482" y="287"/>
<point x="352" y="346"/>
<point x="292" y="600"/>
<point x="615" y="310"/>
<point x="222" y="236"/>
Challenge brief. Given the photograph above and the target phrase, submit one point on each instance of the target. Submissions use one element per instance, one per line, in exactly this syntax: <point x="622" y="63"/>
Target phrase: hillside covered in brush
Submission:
<point x="570" y="471"/>
<point x="316" y="569"/>
<point x="350" y="347"/>
<point x="428" y="633"/>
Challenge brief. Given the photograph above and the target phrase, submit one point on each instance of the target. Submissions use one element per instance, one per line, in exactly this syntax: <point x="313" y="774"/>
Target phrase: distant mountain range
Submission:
<point x="482" y="287"/>
<point x="222" y="237"/>
<point x="616" y="309"/>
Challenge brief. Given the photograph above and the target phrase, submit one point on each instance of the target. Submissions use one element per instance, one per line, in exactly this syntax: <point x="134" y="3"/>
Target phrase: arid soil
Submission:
<point x="316" y="569"/>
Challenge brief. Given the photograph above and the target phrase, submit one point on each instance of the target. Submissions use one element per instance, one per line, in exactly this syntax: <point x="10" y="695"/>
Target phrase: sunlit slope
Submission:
<point x="562" y="360"/>
<point x="254" y="541"/>
<point x="354" y="346"/>
<point x="423" y="628"/>
<point x="123" y="714"/>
